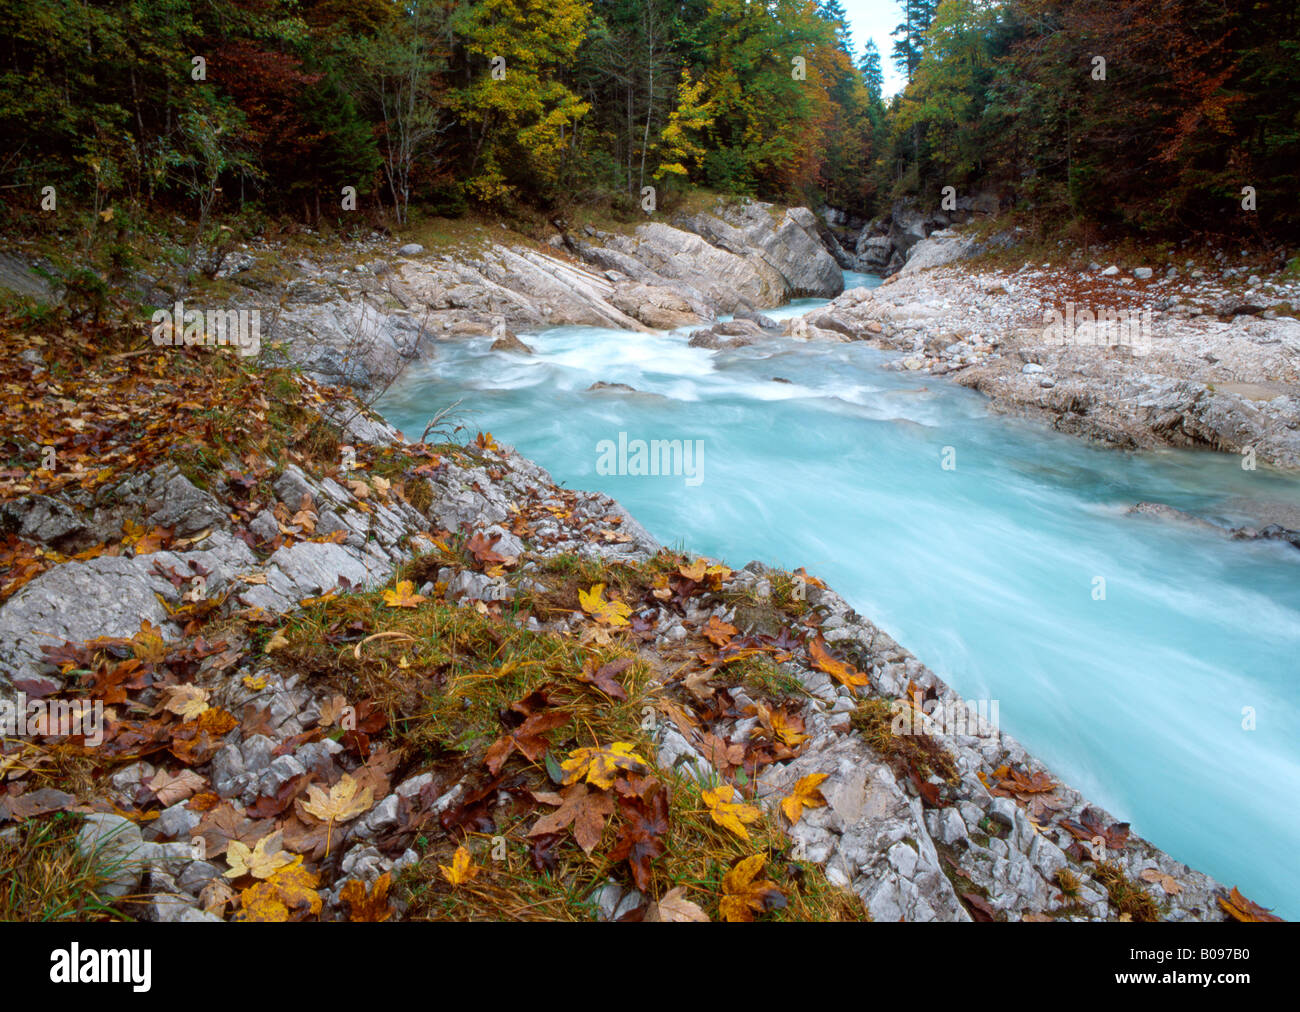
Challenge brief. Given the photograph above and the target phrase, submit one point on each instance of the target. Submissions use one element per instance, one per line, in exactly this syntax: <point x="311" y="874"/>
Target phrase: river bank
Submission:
<point x="1183" y="362"/>
<point x="986" y="833"/>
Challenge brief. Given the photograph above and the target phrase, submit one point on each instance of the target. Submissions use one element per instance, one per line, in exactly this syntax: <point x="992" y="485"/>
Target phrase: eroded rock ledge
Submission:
<point x="1196" y="379"/>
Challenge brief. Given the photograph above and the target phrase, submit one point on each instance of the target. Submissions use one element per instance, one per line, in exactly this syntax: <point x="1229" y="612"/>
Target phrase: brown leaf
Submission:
<point x="481" y="549"/>
<point x="1090" y="827"/>
<point x="587" y="810"/>
<point x="33" y="803"/>
<point x="645" y="821"/>
<point x="674" y="906"/>
<point x="980" y="908"/>
<point x="170" y="788"/>
<point x="1168" y="883"/>
<point x="603" y="677"/>
<point x="526" y="738"/>
<point x="366" y="905"/>
<point x="1239" y="908"/>
<point x="717" y="632"/>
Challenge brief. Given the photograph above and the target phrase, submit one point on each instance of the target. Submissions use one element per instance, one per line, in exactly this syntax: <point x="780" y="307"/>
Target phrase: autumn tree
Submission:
<point x="518" y="109"/>
<point x="680" y="142"/>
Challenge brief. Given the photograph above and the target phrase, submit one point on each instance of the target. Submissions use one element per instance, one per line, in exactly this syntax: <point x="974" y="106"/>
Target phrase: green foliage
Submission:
<point x="1197" y="100"/>
<point x="594" y="99"/>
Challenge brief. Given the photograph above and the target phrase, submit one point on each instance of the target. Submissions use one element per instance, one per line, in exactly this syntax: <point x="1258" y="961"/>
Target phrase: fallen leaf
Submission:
<point x="526" y="738"/>
<point x="369" y="906"/>
<point x="346" y="800"/>
<point x="289" y="894"/>
<point x="585" y="809"/>
<point x="807" y="794"/>
<point x="262" y="861"/>
<point x="462" y="869"/>
<point x="673" y="906"/>
<point x="604" y="677"/>
<point x="841" y="671"/>
<point x="980" y="908"/>
<point x="1168" y="883"/>
<point x="170" y="788"/>
<point x="404" y="596"/>
<point x="1239" y="908"/>
<point x="729" y="813"/>
<point x="188" y="701"/>
<point x="719" y="633"/>
<point x="601" y="765"/>
<point x="613" y="613"/>
<point x="640" y="837"/>
<point x="742" y="896"/>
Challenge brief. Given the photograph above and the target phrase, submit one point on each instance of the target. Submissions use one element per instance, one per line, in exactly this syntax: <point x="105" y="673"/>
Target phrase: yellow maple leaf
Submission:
<point x="841" y="671"/>
<point x="728" y="812"/>
<point x="263" y="861"/>
<point x="462" y="868"/>
<point x="788" y="732"/>
<point x="807" y="794"/>
<point x="600" y="765"/>
<point x="289" y="894"/>
<point x="346" y="800"/>
<point x="404" y="596"/>
<point x="742" y="896"/>
<point x="610" y="612"/>
<point x="188" y="701"/>
<point x="700" y="571"/>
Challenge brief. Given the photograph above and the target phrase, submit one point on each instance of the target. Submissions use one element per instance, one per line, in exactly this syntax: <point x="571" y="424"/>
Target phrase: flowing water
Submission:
<point x="989" y="570"/>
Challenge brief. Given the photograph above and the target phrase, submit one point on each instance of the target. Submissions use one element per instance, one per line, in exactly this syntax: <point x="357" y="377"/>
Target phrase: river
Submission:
<point x="1152" y="666"/>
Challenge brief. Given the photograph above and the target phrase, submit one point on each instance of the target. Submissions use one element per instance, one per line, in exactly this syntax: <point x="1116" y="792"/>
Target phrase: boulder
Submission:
<point x="943" y="247"/>
<point x="766" y="322"/>
<point x="658" y="306"/>
<point x="511" y="343"/>
<point x="723" y="336"/>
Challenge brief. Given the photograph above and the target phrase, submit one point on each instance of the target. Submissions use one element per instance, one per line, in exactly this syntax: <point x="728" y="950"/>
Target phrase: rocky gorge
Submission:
<point x="987" y="833"/>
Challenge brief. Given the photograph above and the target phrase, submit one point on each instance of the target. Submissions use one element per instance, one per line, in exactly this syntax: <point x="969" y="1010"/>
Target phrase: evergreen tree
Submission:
<point x="833" y="11"/>
<point x="873" y="75"/>
<point x="910" y="34"/>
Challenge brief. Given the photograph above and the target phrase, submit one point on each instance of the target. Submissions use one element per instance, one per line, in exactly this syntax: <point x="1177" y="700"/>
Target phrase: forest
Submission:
<point x="1151" y="116"/>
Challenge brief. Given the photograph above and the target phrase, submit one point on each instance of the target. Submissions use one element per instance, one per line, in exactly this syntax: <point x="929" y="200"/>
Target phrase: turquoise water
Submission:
<point x="988" y="571"/>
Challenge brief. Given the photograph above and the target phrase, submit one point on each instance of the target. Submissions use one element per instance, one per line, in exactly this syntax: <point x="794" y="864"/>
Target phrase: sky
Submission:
<point x="875" y="19"/>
